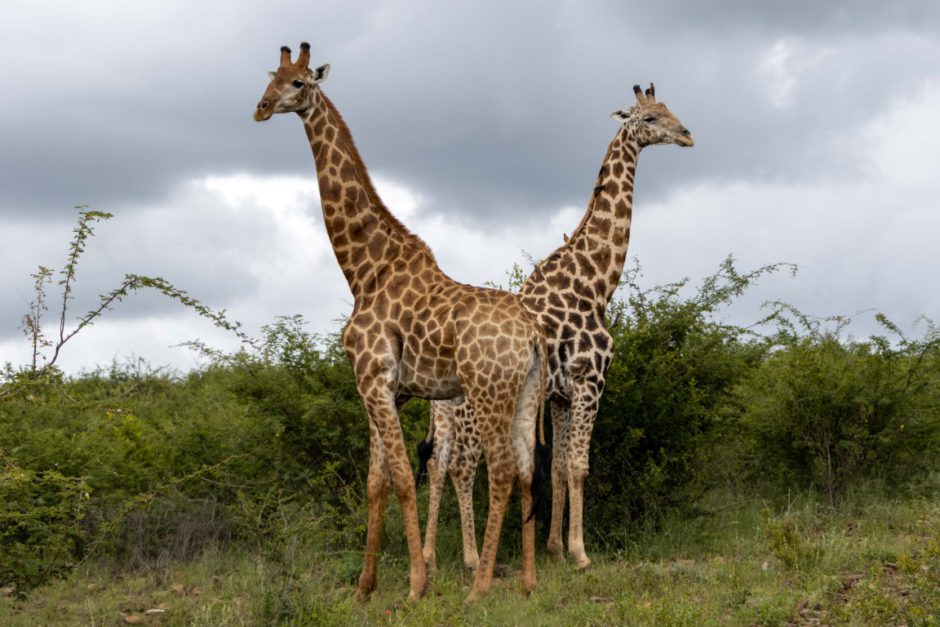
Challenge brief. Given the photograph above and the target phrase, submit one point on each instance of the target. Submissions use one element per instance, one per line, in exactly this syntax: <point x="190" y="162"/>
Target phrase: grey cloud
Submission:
<point x="493" y="111"/>
<point x="196" y="246"/>
<point x="808" y="16"/>
<point x="487" y="107"/>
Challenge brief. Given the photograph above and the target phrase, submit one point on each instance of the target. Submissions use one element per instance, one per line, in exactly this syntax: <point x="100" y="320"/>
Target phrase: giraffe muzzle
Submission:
<point x="263" y="112"/>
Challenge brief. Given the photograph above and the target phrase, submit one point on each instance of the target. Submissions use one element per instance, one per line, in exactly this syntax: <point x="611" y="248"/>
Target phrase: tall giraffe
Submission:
<point x="415" y="332"/>
<point x="568" y="291"/>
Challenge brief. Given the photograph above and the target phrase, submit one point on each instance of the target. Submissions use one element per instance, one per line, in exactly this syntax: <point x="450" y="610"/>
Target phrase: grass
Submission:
<point x="875" y="562"/>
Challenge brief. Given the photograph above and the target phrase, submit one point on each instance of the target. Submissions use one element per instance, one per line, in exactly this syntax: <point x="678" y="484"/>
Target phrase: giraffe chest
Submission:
<point x="569" y="311"/>
<point x="575" y="351"/>
<point x="411" y="316"/>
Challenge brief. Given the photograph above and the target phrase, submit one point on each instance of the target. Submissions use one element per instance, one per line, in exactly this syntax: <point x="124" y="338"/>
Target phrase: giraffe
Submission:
<point x="568" y="291"/>
<point x="415" y="332"/>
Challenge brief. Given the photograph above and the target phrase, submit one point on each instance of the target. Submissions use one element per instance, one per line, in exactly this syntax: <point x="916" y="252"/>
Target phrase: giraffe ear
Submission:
<point x="320" y="74"/>
<point x="620" y="116"/>
<point x="271" y="74"/>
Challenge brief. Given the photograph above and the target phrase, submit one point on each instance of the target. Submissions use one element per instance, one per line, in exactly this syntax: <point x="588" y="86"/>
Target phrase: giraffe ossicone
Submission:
<point x="415" y="332"/>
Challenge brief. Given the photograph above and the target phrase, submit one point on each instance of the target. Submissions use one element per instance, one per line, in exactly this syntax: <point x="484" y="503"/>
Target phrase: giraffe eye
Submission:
<point x="298" y="84"/>
<point x="649" y="119"/>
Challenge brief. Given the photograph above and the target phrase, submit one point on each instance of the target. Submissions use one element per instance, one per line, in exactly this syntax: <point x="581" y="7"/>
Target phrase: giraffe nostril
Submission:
<point x="263" y="104"/>
<point x="685" y="131"/>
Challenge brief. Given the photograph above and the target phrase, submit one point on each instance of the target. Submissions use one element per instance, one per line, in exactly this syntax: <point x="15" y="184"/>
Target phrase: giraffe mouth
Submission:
<point x="685" y="141"/>
<point x="261" y="116"/>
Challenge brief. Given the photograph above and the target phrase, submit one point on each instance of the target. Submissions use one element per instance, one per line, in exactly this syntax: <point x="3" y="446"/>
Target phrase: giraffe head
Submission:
<point x="293" y="86"/>
<point x="650" y="122"/>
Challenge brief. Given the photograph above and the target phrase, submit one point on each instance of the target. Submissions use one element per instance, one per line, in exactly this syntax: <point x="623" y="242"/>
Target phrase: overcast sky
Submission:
<point x="483" y="123"/>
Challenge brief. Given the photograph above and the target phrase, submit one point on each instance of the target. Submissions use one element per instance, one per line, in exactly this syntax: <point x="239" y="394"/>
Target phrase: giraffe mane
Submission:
<point x="373" y="195"/>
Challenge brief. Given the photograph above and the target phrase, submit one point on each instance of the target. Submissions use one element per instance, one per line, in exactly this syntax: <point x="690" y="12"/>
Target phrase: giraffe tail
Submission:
<point x="425" y="449"/>
<point x="543" y="454"/>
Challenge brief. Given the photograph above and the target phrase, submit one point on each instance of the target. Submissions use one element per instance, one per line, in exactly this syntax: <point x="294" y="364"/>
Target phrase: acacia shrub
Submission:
<point x="828" y="413"/>
<point x="667" y="389"/>
<point x="313" y="461"/>
<point x="40" y="517"/>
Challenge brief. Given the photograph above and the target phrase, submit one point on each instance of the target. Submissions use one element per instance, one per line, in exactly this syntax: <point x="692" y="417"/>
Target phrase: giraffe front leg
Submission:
<point x="380" y="403"/>
<point x="561" y="416"/>
<point x="587" y="395"/>
<point x="377" y="494"/>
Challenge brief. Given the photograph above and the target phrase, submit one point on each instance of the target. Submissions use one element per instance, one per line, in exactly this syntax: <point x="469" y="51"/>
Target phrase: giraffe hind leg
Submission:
<point x="561" y="415"/>
<point x="435" y="481"/>
<point x="494" y="420"/>
<point x="437" y="465"/>
<point x="524" y="438"/>
<point x="501" y="474"/>
<point x="462" y="473"/>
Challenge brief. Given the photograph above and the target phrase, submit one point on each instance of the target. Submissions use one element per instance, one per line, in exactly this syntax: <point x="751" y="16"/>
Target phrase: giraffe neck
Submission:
<point x="364" y="234"/>
<point x="598" y="245"/>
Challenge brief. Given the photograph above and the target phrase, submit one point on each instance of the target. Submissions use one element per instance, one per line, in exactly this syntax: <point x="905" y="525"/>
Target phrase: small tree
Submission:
<point x="45" y="351"/>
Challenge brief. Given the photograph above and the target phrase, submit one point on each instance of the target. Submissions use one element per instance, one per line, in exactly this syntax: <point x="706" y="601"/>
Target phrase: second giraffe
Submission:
<point x="568" y="292"/>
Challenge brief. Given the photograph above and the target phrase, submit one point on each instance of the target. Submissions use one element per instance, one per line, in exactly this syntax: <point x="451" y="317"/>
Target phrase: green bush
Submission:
<point x="40" y="517"/>
<point x="260" y="445"/>
<point x="829" y="414"/>
<point x="269" y="446"/>
<point x="674" y="366"/>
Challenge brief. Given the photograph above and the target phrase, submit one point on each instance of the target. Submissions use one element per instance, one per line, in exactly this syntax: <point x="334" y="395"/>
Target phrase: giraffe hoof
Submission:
<point x="366" y="586"/>
<point x="556" y="554"/>
<point x="418" y="590"/>
<point x="500" y="571"/>
<point x="473" y="597"/>
<point x="582" y="565"/>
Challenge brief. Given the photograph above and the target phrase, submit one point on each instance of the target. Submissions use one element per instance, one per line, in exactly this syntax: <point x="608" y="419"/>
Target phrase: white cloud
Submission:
<point x="784" y="64"/>
<point x="252" y="245"/>
<point x="775" y="71"/>
<point x="901" y="145"/>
